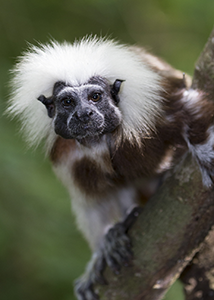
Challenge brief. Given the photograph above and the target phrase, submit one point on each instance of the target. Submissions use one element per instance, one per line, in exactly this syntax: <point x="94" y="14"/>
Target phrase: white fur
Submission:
<point x="41" y="67"/>
<point x="95" y="216"/>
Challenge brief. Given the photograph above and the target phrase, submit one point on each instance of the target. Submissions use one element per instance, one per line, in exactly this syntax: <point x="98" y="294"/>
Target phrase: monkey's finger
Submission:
<point x="113" y="264"/>
<point x="85" y="291"/>
<point x="98" y="270"/>
<point x="91" y="295"/>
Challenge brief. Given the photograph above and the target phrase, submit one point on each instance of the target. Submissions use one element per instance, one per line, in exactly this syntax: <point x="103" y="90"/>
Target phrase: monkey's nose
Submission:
<point x="84" y="115"/>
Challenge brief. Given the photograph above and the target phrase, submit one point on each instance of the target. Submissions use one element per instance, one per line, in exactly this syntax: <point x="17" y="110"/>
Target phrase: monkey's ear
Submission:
<point x="115" y="88"/>
<point x="49" y="104"/>
<point x="58" y="86"/>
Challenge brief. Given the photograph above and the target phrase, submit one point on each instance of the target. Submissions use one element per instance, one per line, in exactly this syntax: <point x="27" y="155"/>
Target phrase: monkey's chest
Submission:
<point x="127" y="165"/>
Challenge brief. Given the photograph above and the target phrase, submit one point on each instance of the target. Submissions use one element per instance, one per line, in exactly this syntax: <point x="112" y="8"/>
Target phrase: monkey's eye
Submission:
<point x="66" y="102"/>
<point x="95" y="97"/>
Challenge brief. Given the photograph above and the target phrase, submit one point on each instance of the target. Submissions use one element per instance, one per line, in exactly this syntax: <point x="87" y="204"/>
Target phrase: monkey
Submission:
<point x="114" y="119"/>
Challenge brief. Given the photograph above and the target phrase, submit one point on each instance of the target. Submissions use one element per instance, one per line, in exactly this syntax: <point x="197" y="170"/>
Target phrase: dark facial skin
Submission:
<point x="85" y="111"/>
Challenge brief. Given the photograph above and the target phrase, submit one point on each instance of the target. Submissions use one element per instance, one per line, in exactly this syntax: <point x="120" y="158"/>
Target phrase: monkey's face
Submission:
<point x="84" y="111"/>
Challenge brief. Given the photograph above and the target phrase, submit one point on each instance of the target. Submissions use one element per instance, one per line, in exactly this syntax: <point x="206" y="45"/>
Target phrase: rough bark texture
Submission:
<point x="172" y="227"/>
<point x="198" y="277"/>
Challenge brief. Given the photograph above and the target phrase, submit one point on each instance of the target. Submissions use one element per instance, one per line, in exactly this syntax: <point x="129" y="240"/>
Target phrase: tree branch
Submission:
<point x="173" y="224"/>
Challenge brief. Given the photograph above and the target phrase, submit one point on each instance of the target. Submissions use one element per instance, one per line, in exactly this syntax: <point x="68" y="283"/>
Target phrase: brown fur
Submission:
<point x="61" y="149"/>
<point x="90" y="178"/>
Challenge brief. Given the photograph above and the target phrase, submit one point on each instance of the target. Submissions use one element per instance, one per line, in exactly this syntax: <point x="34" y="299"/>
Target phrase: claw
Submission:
<point x="84" y="290"/>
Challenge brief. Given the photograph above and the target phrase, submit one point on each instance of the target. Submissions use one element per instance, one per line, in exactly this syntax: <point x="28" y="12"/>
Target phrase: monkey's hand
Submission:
<point x="115" y="251"/>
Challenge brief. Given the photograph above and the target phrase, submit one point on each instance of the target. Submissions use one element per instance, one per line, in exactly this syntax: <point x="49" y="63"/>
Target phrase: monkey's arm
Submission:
<point x="115" y="251"/>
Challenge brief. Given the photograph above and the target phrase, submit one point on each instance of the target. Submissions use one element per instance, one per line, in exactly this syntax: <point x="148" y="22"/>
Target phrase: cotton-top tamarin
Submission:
<point x="113" y="117"/>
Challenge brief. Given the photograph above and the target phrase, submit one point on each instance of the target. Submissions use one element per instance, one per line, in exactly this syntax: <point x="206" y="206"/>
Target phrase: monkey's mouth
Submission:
<point x="79" y="131"/>
<point x="94" y="126"/>
<point x="86" y="131"/>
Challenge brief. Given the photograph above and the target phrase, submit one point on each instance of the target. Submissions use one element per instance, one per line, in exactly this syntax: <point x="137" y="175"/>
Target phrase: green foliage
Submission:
<point x="175" y="292"/>
<point x="41" y="251"/>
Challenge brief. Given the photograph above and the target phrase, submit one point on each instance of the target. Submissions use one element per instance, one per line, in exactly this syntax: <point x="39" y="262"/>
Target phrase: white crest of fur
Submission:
<point x="75" y="64"/>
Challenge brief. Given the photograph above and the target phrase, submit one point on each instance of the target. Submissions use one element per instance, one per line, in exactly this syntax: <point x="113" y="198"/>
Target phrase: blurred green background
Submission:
<point x="41" y="252"/>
